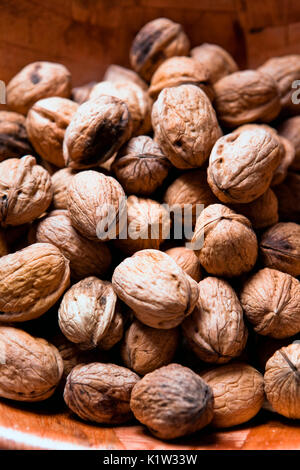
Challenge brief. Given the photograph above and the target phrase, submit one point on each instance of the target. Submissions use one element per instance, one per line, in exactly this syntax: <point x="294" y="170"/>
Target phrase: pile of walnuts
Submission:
<point x="179" y="337"/>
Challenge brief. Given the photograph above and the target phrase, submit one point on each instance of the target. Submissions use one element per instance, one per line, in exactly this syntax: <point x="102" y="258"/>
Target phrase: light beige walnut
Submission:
<point x="262" y="212"/>
<point x="117" y="73"/>
<point x="60" y="183"/>
<point x="81" y="94"/>
<point x="187" y="260"/>
<point x="36" y="81"/>
<point x="215" y="59"/>
<point x="290" y="129"/>
<point x="288" y="195"/>
<point x="185" y="125"/>
<point x="14" y="141"/>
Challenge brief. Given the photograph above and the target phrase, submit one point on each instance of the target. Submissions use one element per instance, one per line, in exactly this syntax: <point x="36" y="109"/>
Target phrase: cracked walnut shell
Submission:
<point x="215" y="60"/>
<point x="14" y="141"/>
<point x="187" y="260"/>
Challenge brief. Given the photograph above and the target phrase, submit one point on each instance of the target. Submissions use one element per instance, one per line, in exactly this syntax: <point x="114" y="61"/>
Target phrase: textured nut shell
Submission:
<point x="60" y="183"/>
<point x="96" y="131"/>
<point x="81" y="94"/>
<point x="155" y="42"/>
<point x="14" y="141"/>
<point x="282" y="379"/>
<point x="185" y="125"/>
<point x="172" y="401"/>
<point x="30" y="368"/>
<point x="288" y="195"/>
<point x="156" y="288"/>
<point x="215" y="330"/>
<point x="280" y="248"/>
<point x="238" y="391"/>
<point x="187" y="260"/>
<point x="116" y="73"/>
<point x="145" y="349"/>
<point x="290" y="129"/>
<point x="31" y="281"/>
<point x="247" y="96"/>
<point x="262" y="212"/>
<point x="89" y="193"/>
<point x="242" y="163"/>
<point x="215" y="59"/>
<point x="100" y="392"/>
<point x="230" y="246"/>
<point x="25" y="191"/>
<point x="286" y="162"/>
<point x="46" y="123"/>
<point x="86" y="257"/>
<point x="36" y="81"/>
<point x="271" y="302"/>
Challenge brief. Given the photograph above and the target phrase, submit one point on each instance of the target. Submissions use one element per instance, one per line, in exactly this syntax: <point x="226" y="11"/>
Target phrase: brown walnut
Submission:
<point x="61" y="180"/>
<point x="81" y="94"/>
<point x="288" y="195"/>
<point x="215" y="60"/>
<point x="187" y="260"/>
<point x="116" y="73"/>
<point x="14" y="141"/>
<point x="290" y="129"/>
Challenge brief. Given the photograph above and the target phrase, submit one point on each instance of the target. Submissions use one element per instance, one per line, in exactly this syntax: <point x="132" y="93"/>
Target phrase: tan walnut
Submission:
<point x="224" y="242"/>
<point x="36" y="81"/>
<point x="46" y="123"/>
<point x="117" y="73"/>
<point x="155" y="288"/>
<point x="100" y="392"/>
<point x="187" y="260"/>
<point x="238" y="391"/>
<point x="271" y="302"/>
<point x="30" y="368"/>
<point x="185" y="125"/>
<point x="290" y="129"/>
<point x="145" y="349"/>
<point x="25" y="190"/>
<point x="282" y="378"/>
<point x="155" y="42"/>
<point x="215" y="330"/>
<point x="172" y="401"/>
<point x="81" y="94"/>
<point x="215" y="59"/>
<point x="288" y="195"/>
<point x="61" y="180"/>
<point x="14" y="141"/>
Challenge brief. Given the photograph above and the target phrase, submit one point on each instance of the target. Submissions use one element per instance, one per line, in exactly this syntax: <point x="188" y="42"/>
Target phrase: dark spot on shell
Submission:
<point x="103" y="301"/>
<point x="35" y="78"/>
<point x="143" y="44"/>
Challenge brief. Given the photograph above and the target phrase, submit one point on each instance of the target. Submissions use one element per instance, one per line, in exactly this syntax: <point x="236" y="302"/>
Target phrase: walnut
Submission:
<point x="140" y="166"/>
<point x="81" y="94"/>
<point x="177" y="71"/>
<point x="215" y="330"/>
<point x="14" y="141"/>
<point x="288" y="195"/>
<point x="215" y="59"/>
<point x="172" y="401"/>
<point x="262" y="212"/>
<point x="282" y="378"/>
<point x="87" y="311"/>
<point x="229" y="247"/>
<point x="242" y="164"/>
<point x="148" y="226"/>
<point x="31" y="281"/>
<point x="25" y="190"/>
<point x="155" y="42"/>
<point x="100" y="392"/>
<point x="145" y="349"/>
<point x="187" y="260"/>
<point x="137" y="100"/>
<point x="36" y="81"/>
<point x="287" y="161"/>
<point x="271" y="302"/>
<point x="61" y="180"/>
<point x="116" y="73"/>
<point x="238" y="391"/>
<point x="46" y="123"/>
<point x="265" y="347"/>
<point x="97" y="130"/>
<point x="247" y="96"/>
<point x="290" y="129"/>
<point x="284" y="70"/>
<point x="280" y="248"/>
<point x="86" y="257"/>
<point x="185" y="125"/>
<point x="30" y="368"/>
<point x="156" y="288"/>
<point x="96" y="205"/>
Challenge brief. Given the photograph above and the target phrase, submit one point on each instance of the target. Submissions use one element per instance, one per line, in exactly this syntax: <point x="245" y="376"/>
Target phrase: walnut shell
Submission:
<point x="185" y="125"/>
<point x="14" y="141"/>
<point x="172" y="401"/>
<point x="282" y="381"/>
<point x="280" y="248"/>
<point x="177" y="71"/>
<point x="271" y="302"/>
<point x="31" y="281"/>
<point x="288" y="195"/>
<point x="187" y="260"/>
<point x="145" y="349"/>
<point x="30" y="368"/>
<point x="247" y="96"/>
<point x="215" y="60"/>
<point x="140" y="166"/>
<point x="215" y="330"/>
<point x="230" y="246"/>
<point x="86" y="257"/>
<point x="46" y="123"/>
<point x="81" y="94"/>
<point x="97" y="130"/>
<point x="241" y="164"/>
<point x="61" y="180"/>
<point x="36" y="81"/>
<point x="290" y="129"/>
<point x="156" y="288"/>
<point x="155" y="42"/>
<point x="238" y="391"/>
<point x="100" y="392"/>
<point x="96" y="205"/>
<point x="116" y="73"/>
<point x="287" y="161"/>
<point x="25" y="190"/>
